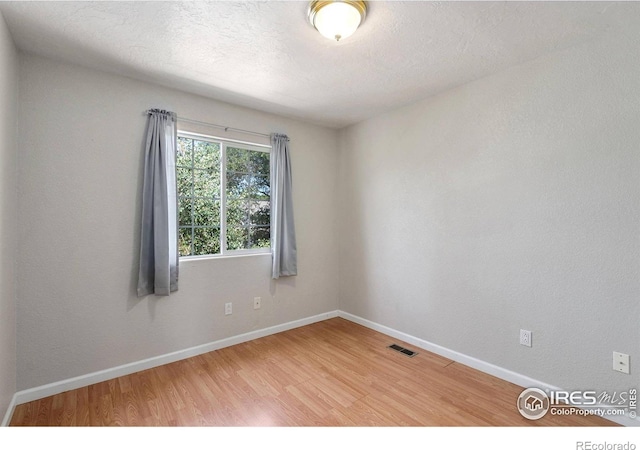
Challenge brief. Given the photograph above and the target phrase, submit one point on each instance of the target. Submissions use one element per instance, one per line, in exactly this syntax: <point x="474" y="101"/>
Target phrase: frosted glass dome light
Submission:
<point x="337" y="19"/>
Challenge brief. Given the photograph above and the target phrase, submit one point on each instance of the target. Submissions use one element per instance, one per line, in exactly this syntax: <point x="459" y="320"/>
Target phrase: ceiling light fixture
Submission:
<point x="337" y="19"/>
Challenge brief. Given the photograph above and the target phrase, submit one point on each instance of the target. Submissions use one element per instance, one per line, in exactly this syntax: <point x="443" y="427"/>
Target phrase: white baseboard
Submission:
<point x="47" y="390"/>
<point x="126" y="369"/>
<point x="483" y="366"/>
<point x="9" y="413"/>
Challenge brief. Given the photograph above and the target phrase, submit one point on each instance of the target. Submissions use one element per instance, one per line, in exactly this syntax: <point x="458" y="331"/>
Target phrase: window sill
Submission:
<point x="232" y="255"/>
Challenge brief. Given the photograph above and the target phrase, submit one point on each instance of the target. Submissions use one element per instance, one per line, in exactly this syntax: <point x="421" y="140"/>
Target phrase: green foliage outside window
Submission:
<point x="200" y="201"/>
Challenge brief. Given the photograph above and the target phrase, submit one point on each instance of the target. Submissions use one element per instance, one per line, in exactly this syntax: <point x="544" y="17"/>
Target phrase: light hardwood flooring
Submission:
<point x="331" y="373"/>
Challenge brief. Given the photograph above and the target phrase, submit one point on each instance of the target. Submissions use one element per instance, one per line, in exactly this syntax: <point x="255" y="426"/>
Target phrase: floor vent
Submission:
<point x="403" y="350"/>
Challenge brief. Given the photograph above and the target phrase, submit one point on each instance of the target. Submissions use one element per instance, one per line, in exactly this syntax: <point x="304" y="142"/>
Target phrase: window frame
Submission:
<point x="224" y="142"/>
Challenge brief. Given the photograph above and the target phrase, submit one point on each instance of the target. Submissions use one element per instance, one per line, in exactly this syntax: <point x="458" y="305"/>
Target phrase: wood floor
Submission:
<point x="331" y="373"/>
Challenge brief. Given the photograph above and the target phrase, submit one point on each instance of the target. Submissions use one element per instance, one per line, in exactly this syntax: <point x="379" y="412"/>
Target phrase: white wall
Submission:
<point x="8" y="214"/>
<point x="81" y="134"/>
<point x="510" y="202"/>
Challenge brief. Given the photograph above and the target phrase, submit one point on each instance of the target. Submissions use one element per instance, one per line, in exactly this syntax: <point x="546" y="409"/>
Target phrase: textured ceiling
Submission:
<point x="265" y="55"/>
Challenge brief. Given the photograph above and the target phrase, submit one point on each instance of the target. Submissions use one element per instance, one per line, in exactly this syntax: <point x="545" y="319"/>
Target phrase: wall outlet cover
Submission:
<point x="525" y="338"/>
<point x="621" y="362"/>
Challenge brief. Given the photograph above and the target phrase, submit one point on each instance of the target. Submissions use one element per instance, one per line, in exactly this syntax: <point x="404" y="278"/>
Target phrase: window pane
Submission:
<point x="184" y="242"/>
<point x="238" y="159"/>
<point x="183" y="155"/>
<point x="206" y="155"/>
<point x="261" y="187"/>
<point x="248" y="195"/>
<point x="237" y="213"/>
<point x="206" y="212"/>
<point x="238" y="185"/>
<point x="259" y="213"/>
<point x="184" y="181"/>
<point x="237" y="238"/>
<point x="247" y="161"/>
<point x="260" y="162"/>
<point x="260" y="237"/>
<point x="184" y="211"/>
<point x="206" y="183"/>
<point x="206" y="241"/>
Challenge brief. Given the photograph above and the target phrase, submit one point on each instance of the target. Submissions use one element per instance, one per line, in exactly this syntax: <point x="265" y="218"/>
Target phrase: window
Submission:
<point x="223" y="196"/>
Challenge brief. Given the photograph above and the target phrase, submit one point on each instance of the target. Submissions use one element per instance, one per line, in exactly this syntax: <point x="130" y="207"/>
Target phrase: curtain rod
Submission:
<point x="222" y="127"/>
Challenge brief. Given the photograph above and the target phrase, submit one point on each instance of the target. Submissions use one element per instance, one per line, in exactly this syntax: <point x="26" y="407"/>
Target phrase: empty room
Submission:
<point x="320" y="214"/>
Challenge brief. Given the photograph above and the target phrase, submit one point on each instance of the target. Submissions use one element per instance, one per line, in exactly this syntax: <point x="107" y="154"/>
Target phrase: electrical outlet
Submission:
<point x="525" y="338"/>
<point x="620" y="362"/>
<point x="257" y="302"/>
<point x="228" y="309"/>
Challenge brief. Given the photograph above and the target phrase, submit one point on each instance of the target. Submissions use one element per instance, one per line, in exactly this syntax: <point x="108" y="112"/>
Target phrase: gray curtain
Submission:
<point x="283" y="233"/>
<point x="159" y="233"/>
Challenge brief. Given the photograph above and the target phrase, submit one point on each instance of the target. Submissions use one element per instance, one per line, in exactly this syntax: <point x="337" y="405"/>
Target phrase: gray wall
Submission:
<point x="510" y="202"/>
<point x="80" y="170"/>
<point x="8" y="215"/>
